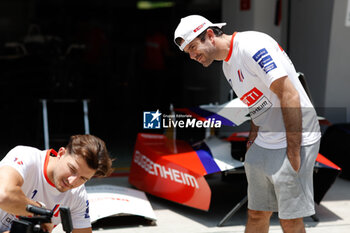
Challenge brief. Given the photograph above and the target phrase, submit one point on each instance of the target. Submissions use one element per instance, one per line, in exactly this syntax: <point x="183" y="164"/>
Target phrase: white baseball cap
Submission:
<point x="190" y="27"/>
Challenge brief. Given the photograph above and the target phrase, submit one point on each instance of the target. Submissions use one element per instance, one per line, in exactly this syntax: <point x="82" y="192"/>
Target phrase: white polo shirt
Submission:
<point x="31" y="164"/>
<point x="256" y="60"/>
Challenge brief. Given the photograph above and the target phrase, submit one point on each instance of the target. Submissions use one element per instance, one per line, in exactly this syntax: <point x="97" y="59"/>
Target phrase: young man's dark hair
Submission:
<point x="94" y="152"/>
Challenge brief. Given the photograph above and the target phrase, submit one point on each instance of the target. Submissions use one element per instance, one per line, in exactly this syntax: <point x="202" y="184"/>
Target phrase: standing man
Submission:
<point x="284" y="138"/>
<point x="52" y="179"/>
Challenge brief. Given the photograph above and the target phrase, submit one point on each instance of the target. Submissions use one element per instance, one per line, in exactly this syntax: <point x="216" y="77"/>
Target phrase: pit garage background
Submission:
<point x="103" y="51"/>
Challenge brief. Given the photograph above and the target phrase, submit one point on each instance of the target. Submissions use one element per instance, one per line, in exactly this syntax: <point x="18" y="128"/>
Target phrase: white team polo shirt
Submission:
<point x="256" y="60"/>
<point x="31" y="164"/>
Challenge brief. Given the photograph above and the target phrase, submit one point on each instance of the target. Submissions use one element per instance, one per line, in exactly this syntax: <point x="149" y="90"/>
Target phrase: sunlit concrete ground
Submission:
<point x="333" y="213"/>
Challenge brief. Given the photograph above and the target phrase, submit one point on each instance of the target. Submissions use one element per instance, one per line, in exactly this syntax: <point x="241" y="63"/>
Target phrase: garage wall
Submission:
<point x="337" y="94"/>
<point x="309" y="43"/>
<point x="319" y="47"/>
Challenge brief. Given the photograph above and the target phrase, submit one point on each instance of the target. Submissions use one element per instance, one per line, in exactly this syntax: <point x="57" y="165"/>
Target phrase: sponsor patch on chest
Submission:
<point x="251" y="96"/>
<point x="256" y="101"/>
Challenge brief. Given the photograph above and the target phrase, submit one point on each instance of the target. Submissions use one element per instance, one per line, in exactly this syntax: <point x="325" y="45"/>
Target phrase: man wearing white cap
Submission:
<point x="284" y="137"/>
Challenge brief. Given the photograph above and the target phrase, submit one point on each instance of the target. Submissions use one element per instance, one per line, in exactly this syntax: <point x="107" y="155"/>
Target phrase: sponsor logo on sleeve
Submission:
<point x="87" y="215"/>
<point x="264" y="60"/>
<point x="259" y="54"/>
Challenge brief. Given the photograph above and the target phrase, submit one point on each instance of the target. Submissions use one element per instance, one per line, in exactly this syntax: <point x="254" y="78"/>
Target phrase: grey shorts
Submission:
<point x="273" y="184"/>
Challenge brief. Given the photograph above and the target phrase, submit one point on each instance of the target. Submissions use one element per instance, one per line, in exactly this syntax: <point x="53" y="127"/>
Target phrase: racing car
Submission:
<point x="176" y="169"/>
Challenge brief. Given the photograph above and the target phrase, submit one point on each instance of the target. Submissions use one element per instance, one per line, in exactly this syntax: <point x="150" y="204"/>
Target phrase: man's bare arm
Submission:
<point x="292" y="117"/>
<point x="253" y="133"/>
<point x="12" y="198"/>
<point x="83" y="230"/>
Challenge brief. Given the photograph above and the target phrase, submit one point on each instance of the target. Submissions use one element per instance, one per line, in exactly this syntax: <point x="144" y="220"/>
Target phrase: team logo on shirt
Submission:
<point x="264" y="60"/>
<point x="19" y="162"/>
<point x="56" y="210"/>
<point x="240" y="75"/>
<point x="34" y="193"/>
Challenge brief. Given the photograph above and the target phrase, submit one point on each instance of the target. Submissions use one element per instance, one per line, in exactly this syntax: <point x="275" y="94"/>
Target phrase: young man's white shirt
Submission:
<point x="256" y="60"/>
<point x="31" y="164"/>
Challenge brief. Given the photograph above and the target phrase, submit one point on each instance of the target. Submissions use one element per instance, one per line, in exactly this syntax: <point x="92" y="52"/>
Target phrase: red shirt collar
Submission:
<point x="48" y="154"/>
<point x="231" y="47"/>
